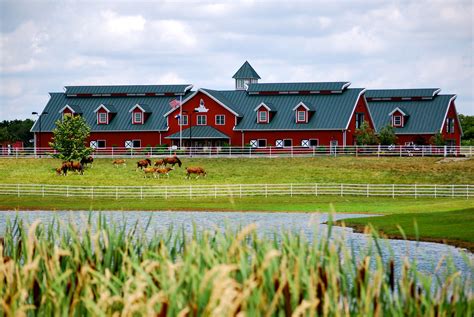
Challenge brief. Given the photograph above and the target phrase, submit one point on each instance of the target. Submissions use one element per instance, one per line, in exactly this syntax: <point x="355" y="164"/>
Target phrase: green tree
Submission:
<point x="437" y="139"/>
<point x="16" y="130"/>
<point x="365" y="135"/>
<point x="467" y="124"/>
<point x="387" y="135"/>
<point x="70" y="137"/>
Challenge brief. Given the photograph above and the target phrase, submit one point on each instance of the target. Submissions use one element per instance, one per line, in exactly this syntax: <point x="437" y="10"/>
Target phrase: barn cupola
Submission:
<point x="245" y="76"/>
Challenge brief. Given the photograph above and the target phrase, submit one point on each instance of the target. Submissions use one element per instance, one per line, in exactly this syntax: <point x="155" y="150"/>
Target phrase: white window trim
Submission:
<point x="105" y="144"/>
<point x="258" y="141"/>
<point x="223" y="119"/>
<point x="134" y="121"/>
<point x="394" y="121"/>
<point x="304" y="116"/>
<point x="182" y="120"/>
<point x="305" y="143"/>
<point x="363" y="119"/>
<point x="259" y="119"/>
<point x="106" y="118"/>
<point x="201" y="116"/>
<point x="287" y="140"/>
<point x="140" y="143"/>
<point x="93" y="144"/>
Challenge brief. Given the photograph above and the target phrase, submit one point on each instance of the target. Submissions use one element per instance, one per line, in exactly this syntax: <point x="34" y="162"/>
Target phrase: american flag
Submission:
<point x="174" y="103"/>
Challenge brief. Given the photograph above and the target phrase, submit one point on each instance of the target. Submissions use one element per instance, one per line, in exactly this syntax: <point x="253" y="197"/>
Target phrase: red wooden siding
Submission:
<point x="361" y="107"/>
<point x="457" y="129"/>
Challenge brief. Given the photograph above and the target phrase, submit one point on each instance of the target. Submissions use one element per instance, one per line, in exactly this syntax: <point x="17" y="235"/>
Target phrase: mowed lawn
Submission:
<point x="252" y="171"/>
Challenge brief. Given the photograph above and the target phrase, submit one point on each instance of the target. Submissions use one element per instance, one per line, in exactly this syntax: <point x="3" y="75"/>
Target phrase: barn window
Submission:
<point x="138" y="117"/>
<point x="262" y="117"/>
<point x="450" y="125"/>
<point x="397" y="121"/>
<point x="101" y="144"/>
<point x="262" y="142"/>
<point x="287" y="142"/>
<point x="136" y="143"/>
<point x="183" y="120"/>
<point x="220" y="119"/>
<point x="201" y="119"/>
<point x="359" y="119"/>
<point x="313" y="142"/>
<point x="102" y="118"/>
<point x="301" y="116"/>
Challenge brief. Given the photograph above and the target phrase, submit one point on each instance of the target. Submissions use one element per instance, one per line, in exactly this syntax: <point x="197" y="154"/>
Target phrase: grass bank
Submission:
<point x="253" y="171"/>
<point x="452" y="227"/>
<point x="105" y="269"/>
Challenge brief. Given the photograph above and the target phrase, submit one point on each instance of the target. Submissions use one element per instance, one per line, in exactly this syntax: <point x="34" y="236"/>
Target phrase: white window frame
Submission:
<point x="258" y="143"/>
<point x="291" y="140"/>
<point x="183" y="120"/>
<point x="135" y="140"/>
<point x="449" y="125"/>
<point x="358" y="114"/>
<point x="259" y="116"/>
<point x="279" y="143"/>
<point x="201" y="116"/>
<point x="220" y="116"/>
<point x="134" y="118"/>
<point x="101" y="147"/>
<point x="317" y="142"/>
<point x="99" y="117"/>
<point x="400" y="123"/>
<point x="240" y="84"/>
<point x="298" y="112"/>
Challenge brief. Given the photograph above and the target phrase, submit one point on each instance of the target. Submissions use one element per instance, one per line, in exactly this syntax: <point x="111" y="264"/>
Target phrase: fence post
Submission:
<point x="378" y="150"/>
<point x="112" y="152"/>
<point x="292" y="151"/>
<point x="368" y="190"/>
<point x="467" y="191"/>
<point x="166" y="192"/>
<point x="436" y="191"/>
<point x="342" y="190"/>
<point x="240" y="191"/>
<point x="356" y="152"/>
<point x="291" y="190"/>
<point x="92" y="192"/>
<point x="316" y="189"/>
<point x="400" y="151"/>
<point x="415" y="192"/>
<point x="266" y="190"/>
<point x="230" y="151"/>
<point x="270" y="151"/>
<point x="215" y="191"/>
<point x="445" y="148"/>
<point x="452" y="191"/>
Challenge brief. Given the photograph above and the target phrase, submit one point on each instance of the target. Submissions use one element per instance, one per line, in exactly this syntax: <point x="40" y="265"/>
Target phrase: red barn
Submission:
<point x="256" y="114"/>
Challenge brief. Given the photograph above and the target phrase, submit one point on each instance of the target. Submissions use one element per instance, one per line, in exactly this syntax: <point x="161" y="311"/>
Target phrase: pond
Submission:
<point x="426" y="254"/>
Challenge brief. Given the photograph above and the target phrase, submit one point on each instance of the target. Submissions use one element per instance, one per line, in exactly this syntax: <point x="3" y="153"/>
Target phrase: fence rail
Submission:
<point x="239" y="190"/>
<point x="236" y="152"/>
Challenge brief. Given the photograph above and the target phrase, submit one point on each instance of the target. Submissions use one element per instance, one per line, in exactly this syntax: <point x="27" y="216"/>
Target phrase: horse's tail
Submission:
<point x="179" y="161"/>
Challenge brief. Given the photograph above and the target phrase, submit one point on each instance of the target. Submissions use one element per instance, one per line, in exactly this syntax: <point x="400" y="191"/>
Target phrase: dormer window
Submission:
<point x="302" y="112"/>
<point x="102" y="118"/>
<point x="138" y="117"/>
<point x="263" y="112"/>
<point x="398" y="117"/>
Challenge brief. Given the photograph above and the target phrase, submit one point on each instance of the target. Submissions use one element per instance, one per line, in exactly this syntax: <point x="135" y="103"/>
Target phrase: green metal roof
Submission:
<point x="246" y="71"/>
<point x="331" y="112"/>
<point x="287" y="87"/>
<point x="424" y="116"/>
<point x="402" y="93"/>
<point x="122" y="120"/>
<point x="128" y="89"/>
<point x="75" y="108"/>
<point x="200" y="132"/>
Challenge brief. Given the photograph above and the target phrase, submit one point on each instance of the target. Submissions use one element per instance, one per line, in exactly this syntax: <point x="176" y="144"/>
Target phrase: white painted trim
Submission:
<point x="299" y="130"/>
<point x="141" y="118"/>
<point x="301" y="103"/>
<point x="187" y="88"/>
<point x="267" y="120"/>
<point x="66" y="107"/>
<point x="102" y="106"/>
<point x="346" y="85"/>
<point x="137" y="106"/>
<point x="446" y="114"/>
<point x="266" y="142"/>
<point x="262" y="105"/>
<point x="355" y="106"/>
<point x="436" y="92"/>
<point x="305" y="120"/>
<point x="102" y="122"/>
<point x="395" y="110"/>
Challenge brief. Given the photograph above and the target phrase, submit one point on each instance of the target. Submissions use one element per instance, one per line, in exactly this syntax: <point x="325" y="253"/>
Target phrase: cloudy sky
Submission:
<point x="46" y="45"/>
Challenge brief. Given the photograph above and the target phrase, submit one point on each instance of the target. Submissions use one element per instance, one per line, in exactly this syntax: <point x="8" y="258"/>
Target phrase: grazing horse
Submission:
<point x="118" y="162"/>
<point x="87" y="160"/>
<point x="143" y="163"/>
<point x="72" y="166"/>
<point x="160" y="162"/>
<point x="164" y="171"/>
<point x="195" y="170"/>
<point x="172" y="160"/>
<point x="149" y="171"/>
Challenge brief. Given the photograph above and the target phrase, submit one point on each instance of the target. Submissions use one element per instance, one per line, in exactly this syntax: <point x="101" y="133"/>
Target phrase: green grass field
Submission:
<point x="246" y="171"/>
<point x="276" y="170"/>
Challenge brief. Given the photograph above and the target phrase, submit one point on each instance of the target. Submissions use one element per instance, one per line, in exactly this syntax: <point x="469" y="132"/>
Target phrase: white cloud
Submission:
<point x="123" y="24"/>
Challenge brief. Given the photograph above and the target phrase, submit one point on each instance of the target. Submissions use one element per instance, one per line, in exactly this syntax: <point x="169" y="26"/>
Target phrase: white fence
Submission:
<point x="239" y="190"/>
<point x="236" y="152"/>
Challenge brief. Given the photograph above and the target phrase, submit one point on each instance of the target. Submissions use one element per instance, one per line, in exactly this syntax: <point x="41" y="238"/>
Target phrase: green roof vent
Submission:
<point x="245" y="76"/>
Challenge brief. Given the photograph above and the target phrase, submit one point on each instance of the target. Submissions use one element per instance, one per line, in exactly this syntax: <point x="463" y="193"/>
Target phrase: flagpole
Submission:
<point x="180" y="121"/>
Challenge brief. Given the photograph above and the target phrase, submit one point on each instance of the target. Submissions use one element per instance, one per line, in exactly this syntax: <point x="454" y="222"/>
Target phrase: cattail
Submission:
<point x="164" y="310"/>
<point x="287" y="299"/>
<point x="391" y="276"/>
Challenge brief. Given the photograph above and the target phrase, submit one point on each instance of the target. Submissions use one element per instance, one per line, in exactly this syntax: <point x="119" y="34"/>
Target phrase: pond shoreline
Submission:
<point x="359" y="228"/>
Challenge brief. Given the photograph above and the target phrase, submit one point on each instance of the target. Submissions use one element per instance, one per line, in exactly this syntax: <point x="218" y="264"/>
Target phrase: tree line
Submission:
<point x="16" y="130"/>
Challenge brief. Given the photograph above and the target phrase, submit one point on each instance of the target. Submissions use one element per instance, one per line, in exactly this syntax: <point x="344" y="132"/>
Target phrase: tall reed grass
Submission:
<point x="107" y="269"/>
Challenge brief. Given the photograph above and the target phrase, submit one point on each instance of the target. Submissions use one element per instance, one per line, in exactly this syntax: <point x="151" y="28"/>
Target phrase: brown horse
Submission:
<point x="172" y="161"/>
<point x="164" y="171"/>
<point x="87" y="160"/>
<point x="118" y="162"/>
<point x="149" y="171"/>
<point x="71" y="166"/>
<point x="199" y="171"/>
<point x="143" y="163"/>
<point x="159" y="162"/>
